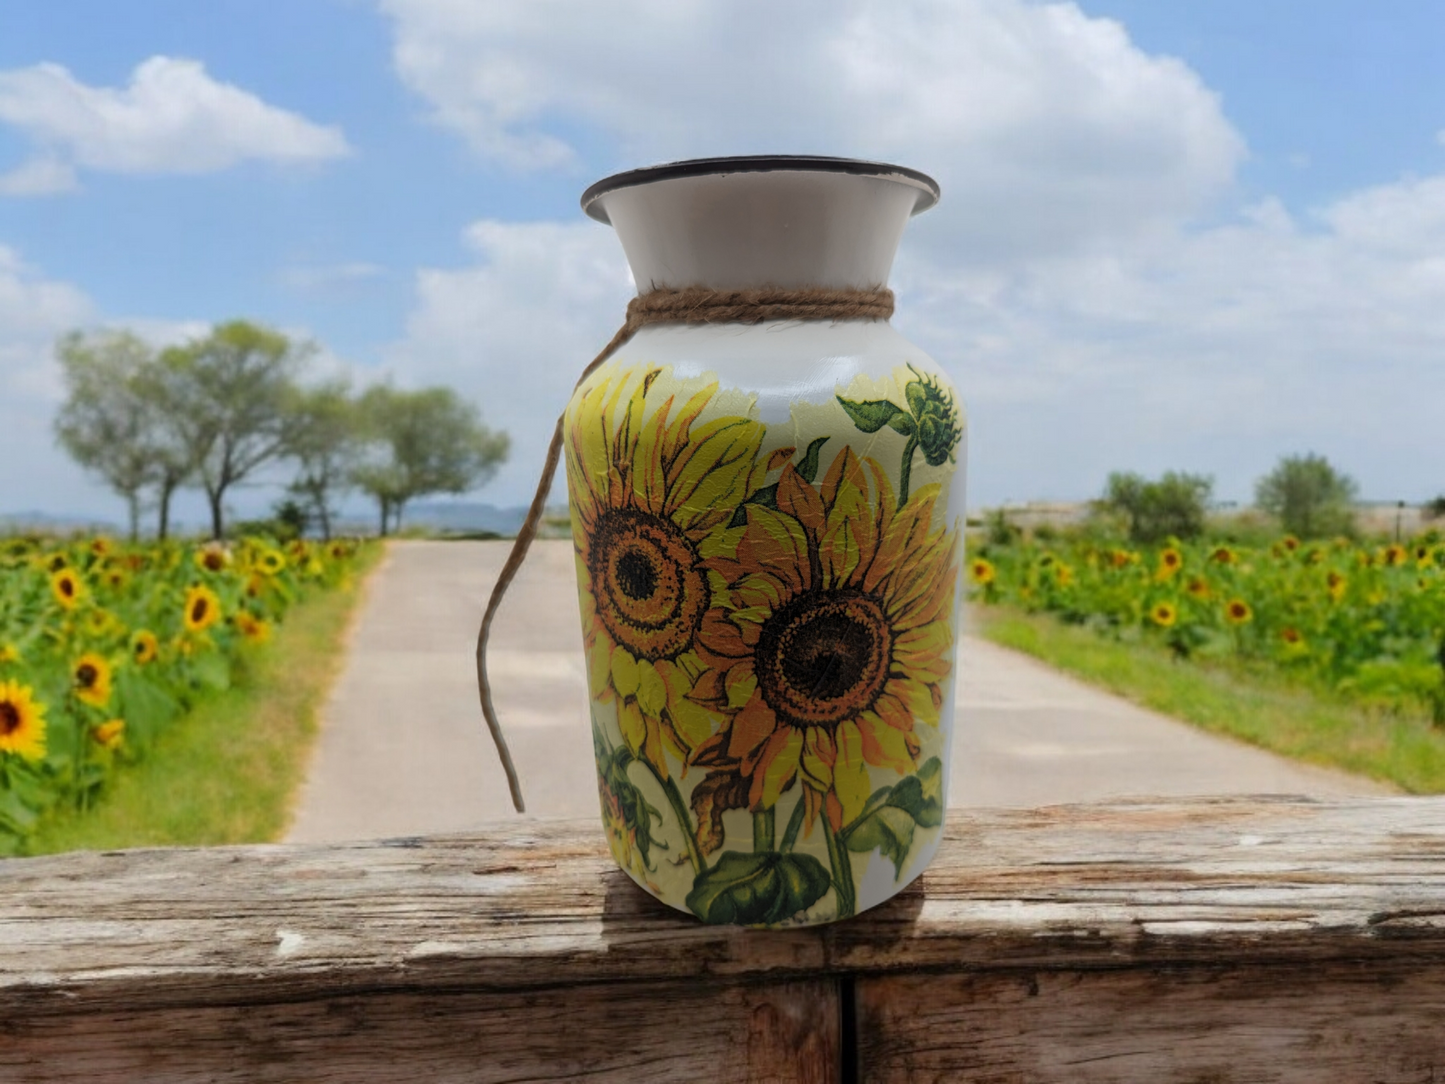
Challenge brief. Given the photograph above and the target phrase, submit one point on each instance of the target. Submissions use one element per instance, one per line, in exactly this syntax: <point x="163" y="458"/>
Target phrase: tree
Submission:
<point x="423" y="442"/>
<point x="231" y="393"/>
<point x="1311" y="498"/>
<point x="160" y="386"/>
<point x="107" y="422"/>
<point x="1172" y="507"/>
<point x="325" y="441"/>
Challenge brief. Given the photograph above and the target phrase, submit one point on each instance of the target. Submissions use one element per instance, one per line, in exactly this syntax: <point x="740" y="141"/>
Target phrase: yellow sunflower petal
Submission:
<point x="633" y="726"/>
<point x="778" y="767"/>
<point x="625" y="672"/>
<point x="599" y="664"/>
<point x="883" y="745"/>
<point x="651" y="690"/>
<point x="820" y="753"/>
<point x="741" y="683"/>
<point x="850" y="774"/>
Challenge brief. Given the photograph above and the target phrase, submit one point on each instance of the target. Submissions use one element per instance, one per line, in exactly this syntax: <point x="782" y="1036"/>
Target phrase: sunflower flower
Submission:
<point x="253" y="628"/>
<point x="271" y="562"/>
<point x="109" y="733"/>
<point x="1170" y="562"/>
<point x="1237" y="611"/>
<point x="66" y="586"/>
<point x="203" y="608"/>
<point x="1163" y="614"/>
<point x="829" y="641"/>
<point x="981" y="571"/>
<point x="144" y="647"/>
<point x="648" y="488"/>
<point x="22" y="721"/>
<point x="91" y="676"/>
<point x="213" y="557"/>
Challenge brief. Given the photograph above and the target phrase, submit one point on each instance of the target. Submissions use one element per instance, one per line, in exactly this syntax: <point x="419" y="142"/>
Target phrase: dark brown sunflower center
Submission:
<point x="85" y="675"/>
<point x="198" y="611"/>
<point x="650" y="594"/>
<point x="67" y="588"/>
<point x="824" y="657"/>
<point x="9" y="718"/>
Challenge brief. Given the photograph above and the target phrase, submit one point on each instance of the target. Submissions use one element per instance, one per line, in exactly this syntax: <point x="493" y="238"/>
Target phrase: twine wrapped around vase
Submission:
<point x="692" y="305"/>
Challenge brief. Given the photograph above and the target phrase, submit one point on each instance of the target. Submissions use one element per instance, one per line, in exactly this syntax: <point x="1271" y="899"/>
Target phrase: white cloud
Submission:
<point x="1215" y="350"/>
<point x="1048" y="130"/>
<point x="328" y="278"/>
<point x="171" y="118"/>
<point x="514" y="330"/>
<point x="39" y="177"/>
<point x="34" y="310"/>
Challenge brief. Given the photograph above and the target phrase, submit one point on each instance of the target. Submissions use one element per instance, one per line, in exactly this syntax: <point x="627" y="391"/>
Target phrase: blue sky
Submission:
<point x="1191" y="236"/>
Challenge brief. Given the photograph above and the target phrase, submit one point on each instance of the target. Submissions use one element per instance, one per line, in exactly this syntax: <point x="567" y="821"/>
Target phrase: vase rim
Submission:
<point x="928" y="190"/>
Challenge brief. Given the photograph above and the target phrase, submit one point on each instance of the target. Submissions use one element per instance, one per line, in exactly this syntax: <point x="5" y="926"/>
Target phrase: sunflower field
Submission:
<point x="1363" y="620"/>
<point x="103" y="646"/>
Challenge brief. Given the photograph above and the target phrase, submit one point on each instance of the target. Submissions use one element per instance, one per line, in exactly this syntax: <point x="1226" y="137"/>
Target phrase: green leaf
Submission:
<point x="211" y="670"/>
<point x="767" y="497"/>
<point x="808" y="468"/>
<point x="917" y="396"/>
<point x="902" y="423"/>
<point x="15" y="815"/>
<point x="920" y="796"/>
<point x="888" y="829"/>
<point x="871" y="415"/>
<point x="757" y="889"/>
<point x="145" y="706"/>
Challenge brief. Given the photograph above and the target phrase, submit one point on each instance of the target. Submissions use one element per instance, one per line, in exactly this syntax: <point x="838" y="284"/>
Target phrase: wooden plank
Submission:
<point x="527" y="904"/>
<point x="1283" y="1024"/>
<point x="783" y="1034"/>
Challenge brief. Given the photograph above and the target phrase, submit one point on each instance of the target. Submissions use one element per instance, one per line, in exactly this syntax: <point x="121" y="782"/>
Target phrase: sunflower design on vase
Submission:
<point x="768" y="652"/>
<point x="829" y="646"/>
<point x="649" y="483"/>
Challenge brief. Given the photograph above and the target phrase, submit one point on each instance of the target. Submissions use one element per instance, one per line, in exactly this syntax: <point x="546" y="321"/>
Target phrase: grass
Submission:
<point x="229" y="770"/>
<point x="1264" y="709"/>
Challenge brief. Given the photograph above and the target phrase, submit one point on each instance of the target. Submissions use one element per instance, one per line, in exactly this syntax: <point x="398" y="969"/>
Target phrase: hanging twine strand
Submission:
<point x="693" y="305"/>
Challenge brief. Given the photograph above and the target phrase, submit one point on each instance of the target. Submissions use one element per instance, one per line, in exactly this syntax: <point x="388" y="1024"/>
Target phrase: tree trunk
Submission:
<point x="168" y="489"/>
<point x="324" y="515"/>
<point x="218" y="527"/>
<point x="132" y="500"/>
<point x="381" y="503"/>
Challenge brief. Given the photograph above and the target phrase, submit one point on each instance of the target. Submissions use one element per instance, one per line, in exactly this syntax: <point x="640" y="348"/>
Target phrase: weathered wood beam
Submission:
<point x="1260" y="939"/>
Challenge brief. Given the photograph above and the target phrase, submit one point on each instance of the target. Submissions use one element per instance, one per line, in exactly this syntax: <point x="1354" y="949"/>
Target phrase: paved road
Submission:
<point x="404" y="751"/>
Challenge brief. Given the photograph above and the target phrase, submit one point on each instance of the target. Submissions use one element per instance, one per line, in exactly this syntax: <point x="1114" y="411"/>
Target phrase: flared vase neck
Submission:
<point x="736" y="224"/>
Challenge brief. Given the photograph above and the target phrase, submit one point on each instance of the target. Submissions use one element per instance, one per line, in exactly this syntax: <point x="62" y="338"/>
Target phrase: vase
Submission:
<point x="767" y="521"/>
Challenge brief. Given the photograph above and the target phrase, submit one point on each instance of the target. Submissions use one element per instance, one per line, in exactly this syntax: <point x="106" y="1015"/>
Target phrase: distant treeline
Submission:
<point x="210" y="413"/>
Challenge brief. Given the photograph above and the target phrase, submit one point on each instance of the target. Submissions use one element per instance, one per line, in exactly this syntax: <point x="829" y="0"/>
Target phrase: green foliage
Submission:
<point x="1366" y="623"/>
<point x="759" y="889"/>
<point x="232" y="390"/>
<point x="931" y="423"/>
<point x="1435" y="507"/>
<point x="422" y="442"/>
<point x="110" y="423"/>
<point x="1309" y="496"/>
<point x="889" y="818"/>
<point x="1172" y="507"/>
<point x="113" y="644"/>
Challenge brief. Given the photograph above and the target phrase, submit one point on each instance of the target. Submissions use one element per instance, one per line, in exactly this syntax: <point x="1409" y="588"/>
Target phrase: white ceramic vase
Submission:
<point x="768" y="527"/>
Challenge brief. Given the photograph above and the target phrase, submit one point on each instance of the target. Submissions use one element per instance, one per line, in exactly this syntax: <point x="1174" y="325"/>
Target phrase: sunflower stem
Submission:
<point x="679" y="810"/>
<point x="795" y="823"/>
<point x="842" y="870"/>
<point x="763" y="831"/>
<point x="905" y="471"/>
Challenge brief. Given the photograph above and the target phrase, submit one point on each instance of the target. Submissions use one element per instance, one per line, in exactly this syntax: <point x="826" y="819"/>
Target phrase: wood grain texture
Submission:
<point x="1165" y="907"/>
<point x="666" y="1032"/>
<point x="1287" y="1024"/>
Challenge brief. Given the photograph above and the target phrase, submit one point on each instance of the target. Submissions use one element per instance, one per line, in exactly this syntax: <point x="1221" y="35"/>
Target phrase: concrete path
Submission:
<point x="404" y="751"/>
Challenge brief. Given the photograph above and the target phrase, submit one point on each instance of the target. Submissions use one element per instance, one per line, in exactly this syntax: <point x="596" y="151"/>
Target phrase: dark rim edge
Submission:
<point x="759" y="163"/>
